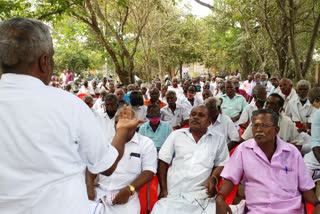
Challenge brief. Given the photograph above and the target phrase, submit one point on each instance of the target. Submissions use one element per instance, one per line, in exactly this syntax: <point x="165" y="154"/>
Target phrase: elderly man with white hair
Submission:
<point x="47" y="141"/>
<point x="99" y="106"/>
<point x="301" y="111"/>
<point x="264" y="81"/>
<point x="287" y="92"/>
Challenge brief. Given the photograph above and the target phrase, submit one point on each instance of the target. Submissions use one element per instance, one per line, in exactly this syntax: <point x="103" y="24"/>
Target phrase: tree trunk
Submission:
<point x="314" y="37"/>
<point x="292" y="12"/>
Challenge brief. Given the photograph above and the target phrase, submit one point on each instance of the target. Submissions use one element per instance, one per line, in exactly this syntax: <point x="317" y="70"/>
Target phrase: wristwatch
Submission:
<point x="132" y="189"/>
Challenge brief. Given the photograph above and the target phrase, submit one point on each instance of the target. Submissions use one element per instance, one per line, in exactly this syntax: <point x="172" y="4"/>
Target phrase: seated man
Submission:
<point x="196" y="156"/>
<point x="233" y="104"/>
<point x="312" y="159"/>
<point x="192" y="99"/>
<point x="175" y="114"/>
<point x="275" y="178"/>
<point x="206" y="94"/>
<point x="288" y="131"/>
<point x="154" y="98"/>
<point x="118" y="193"/>
<point x="287" y="92"/>
<point x="155" y="129"/>
<point x="259" y="95"/>
<point x="222" y="123"/>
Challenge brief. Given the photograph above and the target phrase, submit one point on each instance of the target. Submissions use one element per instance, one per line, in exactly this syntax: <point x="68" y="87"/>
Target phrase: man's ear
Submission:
<point x="277" y="128"/>
<point x="43" y="63"/>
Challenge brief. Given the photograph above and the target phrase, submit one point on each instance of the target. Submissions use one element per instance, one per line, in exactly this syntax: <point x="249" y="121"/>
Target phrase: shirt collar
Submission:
<point x="21" y="80"/>
<point x="281" y="145"/>
<point x="135" y="139"/>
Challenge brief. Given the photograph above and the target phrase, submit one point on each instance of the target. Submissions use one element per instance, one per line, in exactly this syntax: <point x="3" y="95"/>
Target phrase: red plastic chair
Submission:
<point x="153" y="193"/>
<point x="81" y="96"/>
<point x="309" y="208"/>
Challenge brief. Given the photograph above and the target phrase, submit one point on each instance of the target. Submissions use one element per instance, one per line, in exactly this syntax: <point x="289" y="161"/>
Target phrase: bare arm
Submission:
<point x="232" y="144"/>
<point x="90" y="184"/>
<point x="316" y="152"/>
<point x="213" y="180"/>
<point x="162" y="176"/>
<point x="123" y="195"/>
<point x="221" y="206"/>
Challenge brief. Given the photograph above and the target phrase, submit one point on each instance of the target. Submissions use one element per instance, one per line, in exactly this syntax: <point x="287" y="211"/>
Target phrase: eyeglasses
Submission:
<point x="262" y="125"/>
<point x="260" y="100"/>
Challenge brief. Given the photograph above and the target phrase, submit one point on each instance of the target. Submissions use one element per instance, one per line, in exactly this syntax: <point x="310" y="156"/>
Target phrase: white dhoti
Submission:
<point x="306" y="147"/>
<point x="313" y="165"/>
<point x="181" y="205"/>
<point x="103" y="205"/>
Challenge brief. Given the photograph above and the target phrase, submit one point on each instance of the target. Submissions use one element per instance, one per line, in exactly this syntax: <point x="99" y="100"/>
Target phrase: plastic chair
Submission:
<point x="153" y="195"/>
<point x="309" y="208"/>
<point x="81" y="96"/>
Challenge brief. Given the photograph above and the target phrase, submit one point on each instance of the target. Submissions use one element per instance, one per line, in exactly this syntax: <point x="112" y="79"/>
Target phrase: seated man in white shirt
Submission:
<point x="192" y="99"/>
<point x="287" y="92"/>
<point x="118" y="193"/>
<point x="99" y="106"/>
<point x="174" y="113"/>
<point x="259" y="95"/>
<point x="196" y="156"/>
<point x="222" y="123"/>
<point x="85" y="89"/>
<point x="175" y="87"/>
<point x="288" y="131"/>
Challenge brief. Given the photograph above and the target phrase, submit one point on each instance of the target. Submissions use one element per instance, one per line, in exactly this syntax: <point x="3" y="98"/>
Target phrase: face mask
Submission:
<point x="175" y="85"/>
<point x="258" y="82"/>
<point x="154" y="120"/>
<point x="303" y="99"/>
<point x="190" y="96"/>
<point x="198" y="88"/>
<point x="263" y="83"/>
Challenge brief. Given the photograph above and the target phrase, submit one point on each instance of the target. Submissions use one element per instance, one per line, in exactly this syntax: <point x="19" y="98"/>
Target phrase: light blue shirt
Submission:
<point x="159" y="136"/>
<point x="233" y="107"/>
<point x="315" y="130"/>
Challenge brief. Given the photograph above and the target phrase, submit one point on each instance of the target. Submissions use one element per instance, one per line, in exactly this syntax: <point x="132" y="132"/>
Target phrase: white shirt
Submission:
<point x="288" y="131"/>
<point x="269" y="88"/>
<point x="300" y="113"/>
<point x="187" y="105"/>
<point x="174" y="118"/>
<point x="48" y="138"/>
<point x="99" y="106"/>
<point x="130" y="166"/>
<point x="292" y="96"/>
<point x="141" y="111"/>
<point x="178" y="90"/>
<point x="213" y="86"/>
<point x="84" y="90"/>
<point x="192" y="163"/>
<point x="247" y="113"/>
<point x="226" y="127"/>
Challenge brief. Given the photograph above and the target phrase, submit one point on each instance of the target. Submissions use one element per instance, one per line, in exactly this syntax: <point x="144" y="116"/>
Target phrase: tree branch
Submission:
<point x="204" y="4"/>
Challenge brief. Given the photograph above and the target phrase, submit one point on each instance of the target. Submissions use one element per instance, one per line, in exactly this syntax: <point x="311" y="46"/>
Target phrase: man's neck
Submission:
<point x="173" y="107"/>
<point x="197" y="134"/>
<point x="154" y="126"/>
<point x="269" y="148"/>
<point x="215" y="119"/>
<point x="231" y="96"/>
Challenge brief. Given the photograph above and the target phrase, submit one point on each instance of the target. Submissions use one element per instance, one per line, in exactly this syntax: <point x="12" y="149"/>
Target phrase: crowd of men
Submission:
<point x="90" y="149"/>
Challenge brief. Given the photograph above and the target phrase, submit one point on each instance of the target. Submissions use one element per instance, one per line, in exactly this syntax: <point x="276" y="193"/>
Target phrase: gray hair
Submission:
<point x="87" y="98"/>
<point x="264" y="74"/>
<point x="212" y="101"/>
<point x="257" y="88"/>
<point x="23" y="41"/>
<point x="313" y="94"/>
<point x="304" y="83"/>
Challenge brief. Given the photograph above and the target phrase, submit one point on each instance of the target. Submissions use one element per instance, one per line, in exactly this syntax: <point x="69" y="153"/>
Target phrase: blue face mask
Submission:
<point x="263" y="83"/>
<point x="198" y="88"/>
<point x="303" y="99"/>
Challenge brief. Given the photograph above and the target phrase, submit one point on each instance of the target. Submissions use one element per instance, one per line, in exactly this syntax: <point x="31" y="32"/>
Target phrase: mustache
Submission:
<point x="259" y="134"/>
<point x="195" y="121"/>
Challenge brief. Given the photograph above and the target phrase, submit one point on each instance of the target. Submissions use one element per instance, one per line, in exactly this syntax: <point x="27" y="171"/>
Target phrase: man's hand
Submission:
<point x="126" y="121"/>
<point x="123" y="196"/>
<point x="91" y="192"/>
<point x="163" y="194"/>
<point x="211" y="187"/>
<point x="222" y="207"/>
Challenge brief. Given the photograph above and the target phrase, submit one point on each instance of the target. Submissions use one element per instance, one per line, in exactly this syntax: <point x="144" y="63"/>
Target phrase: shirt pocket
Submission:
<point x="206" y="155"/>
<point x="134" y="165"/>
<point x="288" y="180"/>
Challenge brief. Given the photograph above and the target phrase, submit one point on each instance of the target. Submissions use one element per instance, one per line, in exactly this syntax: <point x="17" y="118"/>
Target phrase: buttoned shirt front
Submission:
<point x="174" y="118"/>
<point x="226" y="127"/>
<point x="315" y="130"/>
<point x="300" y="113"/>
<point x="159" y="136"/>
<point x="292" y="96"/>
<point x="288" y="131"/>
<point x="270" y="186"/>
<point x="191" y="162"/>
<point x="139" y="155"/>
<point x="99" y="106"/>
<point x="188" y="106"/>
<point x="233" y="107"/>
<point x="48" y="138"/>
<point x="247" y="113"/>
